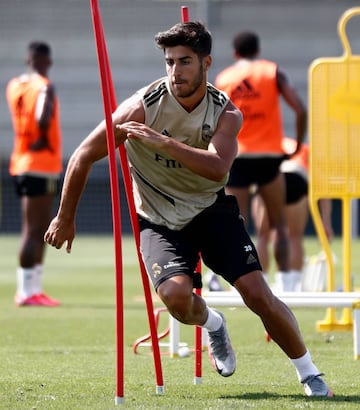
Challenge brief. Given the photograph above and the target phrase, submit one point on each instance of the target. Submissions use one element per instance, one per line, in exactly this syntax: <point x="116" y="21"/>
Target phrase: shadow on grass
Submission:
<point x="88" y="306"/>
<point x="265" y="395"/>
<point x="101" y="306"/>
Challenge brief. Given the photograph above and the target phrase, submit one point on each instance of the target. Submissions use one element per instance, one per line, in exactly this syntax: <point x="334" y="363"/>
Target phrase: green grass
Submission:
<point x="64" y="358"/>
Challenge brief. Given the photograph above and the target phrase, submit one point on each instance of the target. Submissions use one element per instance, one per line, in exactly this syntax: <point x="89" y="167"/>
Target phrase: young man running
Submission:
<point x="180" y="137"/>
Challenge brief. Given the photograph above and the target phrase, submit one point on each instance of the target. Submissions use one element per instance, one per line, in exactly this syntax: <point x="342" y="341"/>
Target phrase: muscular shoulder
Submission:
<point x="152" y="93"/>
<point x="131" y="109"/>
<point x="218" y="97"/>
<point x="232" y="114"/>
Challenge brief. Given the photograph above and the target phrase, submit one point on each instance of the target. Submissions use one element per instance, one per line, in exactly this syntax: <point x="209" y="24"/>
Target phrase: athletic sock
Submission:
<point x="25" y="277"/>
<point x="213" y="322"/>
<point x="283" y="281"/>
<point x="304" y="366"/>
<point x="37" y="283"/>
<point x="296" y="278"/>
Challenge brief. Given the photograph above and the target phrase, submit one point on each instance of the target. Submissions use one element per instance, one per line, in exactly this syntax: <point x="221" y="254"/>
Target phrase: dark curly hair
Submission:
<point x="192" y="34"/>
<point x="246" y="44"/>
<point x="39" y="48"/>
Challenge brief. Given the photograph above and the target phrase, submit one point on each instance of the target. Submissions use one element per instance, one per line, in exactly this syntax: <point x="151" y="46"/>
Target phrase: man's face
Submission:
<point x="186" y="72"/>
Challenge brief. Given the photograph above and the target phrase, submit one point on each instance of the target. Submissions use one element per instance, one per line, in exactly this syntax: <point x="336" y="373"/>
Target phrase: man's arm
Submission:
<point x="43" y="113"/>
<point x="294" y="101"/>
<point x="213" y="163"/>
<point x="92" y="149"/>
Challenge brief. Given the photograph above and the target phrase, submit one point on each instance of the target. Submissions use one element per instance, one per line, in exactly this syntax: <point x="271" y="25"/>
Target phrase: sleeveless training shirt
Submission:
<point x="166" y="192"/>
<point x="251" y="85"/>
<point x="22" y="95"/>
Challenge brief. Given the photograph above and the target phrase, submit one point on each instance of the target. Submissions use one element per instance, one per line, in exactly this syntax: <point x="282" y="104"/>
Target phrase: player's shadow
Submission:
<point x="338" y="398"/>
<point x="97" y="306"/>
<point x="104" y="305"/>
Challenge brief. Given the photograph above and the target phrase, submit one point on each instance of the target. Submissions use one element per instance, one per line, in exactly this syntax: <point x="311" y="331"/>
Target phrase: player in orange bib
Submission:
<point x="297" y="212"/>
<point x="35" y="165"/>
<point x="255" y="86"/>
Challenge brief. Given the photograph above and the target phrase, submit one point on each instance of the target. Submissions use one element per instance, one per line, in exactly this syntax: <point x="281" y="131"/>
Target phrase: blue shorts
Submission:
<point x="218" y="234"/>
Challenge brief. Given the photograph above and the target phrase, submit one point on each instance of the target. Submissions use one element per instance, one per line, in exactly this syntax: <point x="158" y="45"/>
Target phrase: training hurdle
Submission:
<point x="349" y="300"/>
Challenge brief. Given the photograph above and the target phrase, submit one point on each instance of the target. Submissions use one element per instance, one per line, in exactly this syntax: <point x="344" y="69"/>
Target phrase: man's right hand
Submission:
<point x="58" y="233"/>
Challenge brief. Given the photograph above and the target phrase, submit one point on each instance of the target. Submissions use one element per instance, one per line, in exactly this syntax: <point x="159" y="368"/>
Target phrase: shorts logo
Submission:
<point x="251" y="259"/>
<point x="171" y="264"/>
<point x="156" y="269"/>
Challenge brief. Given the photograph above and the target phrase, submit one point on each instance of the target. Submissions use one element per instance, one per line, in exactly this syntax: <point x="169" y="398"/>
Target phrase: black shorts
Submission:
<point x="296" y="187"/>
<point x="28" y="185"/>
<point x="218" y="234"/>
<point x="247" y="171"/>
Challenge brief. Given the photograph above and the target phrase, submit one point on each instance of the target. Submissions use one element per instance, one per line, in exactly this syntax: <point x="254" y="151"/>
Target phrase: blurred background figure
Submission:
<point x="35" y="165"/>
<point x="295" y="171"/>
<point x="257" y="86"/>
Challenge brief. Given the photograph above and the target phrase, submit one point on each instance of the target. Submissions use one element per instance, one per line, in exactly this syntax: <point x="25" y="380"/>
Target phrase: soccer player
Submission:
<point x="35" y="165"/>
<point x="256" y="86"/>
<point x="180" y="137"/>
<point x="295" y="171"/>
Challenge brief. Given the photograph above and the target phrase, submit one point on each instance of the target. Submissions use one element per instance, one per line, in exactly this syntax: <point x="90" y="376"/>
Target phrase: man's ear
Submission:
<point x="207" y="62"/>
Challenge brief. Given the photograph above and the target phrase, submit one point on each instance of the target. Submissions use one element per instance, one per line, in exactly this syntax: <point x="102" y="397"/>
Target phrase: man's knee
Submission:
<point x="176" y="295"/>
<point x="259" y="299"/>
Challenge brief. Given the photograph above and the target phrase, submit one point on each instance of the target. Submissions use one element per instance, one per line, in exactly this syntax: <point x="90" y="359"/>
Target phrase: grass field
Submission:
<point x="64" y="358"/>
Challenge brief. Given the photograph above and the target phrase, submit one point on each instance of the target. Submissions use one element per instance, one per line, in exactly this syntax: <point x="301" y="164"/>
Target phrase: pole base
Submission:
<point x="160" y="389"/>
<point x="119" y="400"/>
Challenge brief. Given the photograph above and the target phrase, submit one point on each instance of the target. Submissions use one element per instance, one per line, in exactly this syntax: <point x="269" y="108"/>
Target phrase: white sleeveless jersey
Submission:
<point x="166" y="192"/>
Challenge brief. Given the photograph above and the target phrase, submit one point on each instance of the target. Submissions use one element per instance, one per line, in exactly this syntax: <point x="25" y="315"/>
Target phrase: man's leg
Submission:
<point x="188" y="308"/>
<point x="263" y="232"/>
<point x="242" y="196"/>
<point x="36" y="216"/>
<point x="273" y="195"/>
<point x="297" y="216"/>
<point x="282" y="326"/>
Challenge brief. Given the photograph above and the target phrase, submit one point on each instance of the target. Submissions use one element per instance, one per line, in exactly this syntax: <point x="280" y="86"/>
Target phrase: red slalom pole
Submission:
<point x="198" y="329"/>
<point x="110" y="91"/>
<point x="198" y="339"/>
<point x="160" y="389"/>
<point x="115" y="199"/>
<point x="184" y="14"/>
